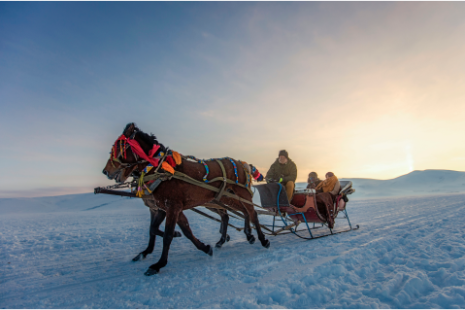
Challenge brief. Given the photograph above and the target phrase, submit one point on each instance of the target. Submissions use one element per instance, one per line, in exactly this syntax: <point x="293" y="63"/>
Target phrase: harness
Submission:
<point x="163" y="176"/>
<point x="184" y="177"/>
<point x="168" y="160"/>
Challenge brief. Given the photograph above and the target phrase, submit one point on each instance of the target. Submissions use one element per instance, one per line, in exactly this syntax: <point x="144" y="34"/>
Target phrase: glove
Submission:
<point x="280" y="180"/>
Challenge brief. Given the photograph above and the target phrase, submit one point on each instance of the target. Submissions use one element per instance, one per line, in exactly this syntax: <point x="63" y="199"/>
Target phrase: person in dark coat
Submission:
<point x="284" y="171"/>
<point x="313" y="180"/>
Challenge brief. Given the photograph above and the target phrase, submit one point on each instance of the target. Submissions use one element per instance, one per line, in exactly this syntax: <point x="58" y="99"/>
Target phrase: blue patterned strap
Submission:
<point x="235" y="169"/>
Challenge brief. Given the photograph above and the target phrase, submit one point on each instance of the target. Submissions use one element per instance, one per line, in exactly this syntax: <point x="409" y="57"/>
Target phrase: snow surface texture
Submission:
<point x="75" y="252"/>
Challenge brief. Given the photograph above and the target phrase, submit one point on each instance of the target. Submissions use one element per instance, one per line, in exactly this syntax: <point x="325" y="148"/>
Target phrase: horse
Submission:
<point x="174" y="196"/>
<point x="148" y="201"/>
<point x="156" y="219"/>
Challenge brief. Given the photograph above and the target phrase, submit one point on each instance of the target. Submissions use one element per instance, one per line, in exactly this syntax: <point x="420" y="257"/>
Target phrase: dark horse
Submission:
<point x="175" y="196"/>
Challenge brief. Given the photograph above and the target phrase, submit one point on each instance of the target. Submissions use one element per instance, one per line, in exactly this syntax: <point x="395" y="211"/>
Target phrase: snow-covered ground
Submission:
<point x="75" y="251"/>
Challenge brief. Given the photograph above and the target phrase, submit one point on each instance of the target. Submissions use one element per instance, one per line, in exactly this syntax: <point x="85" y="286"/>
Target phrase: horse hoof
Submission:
<point x="251" y="239"/>
<point x="150" y="272"/>
<point x="267" y="244"/>
<point x="138" y="257"/>
<point x="210" y="251"/>
<point x="228" y="238"/>
<point x="219" y="244"/>
<point x="177" y="234"/>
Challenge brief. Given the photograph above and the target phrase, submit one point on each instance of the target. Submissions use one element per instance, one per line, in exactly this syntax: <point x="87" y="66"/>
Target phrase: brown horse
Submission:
<point x="175" y="196"/>
<point x="123" y="170"/>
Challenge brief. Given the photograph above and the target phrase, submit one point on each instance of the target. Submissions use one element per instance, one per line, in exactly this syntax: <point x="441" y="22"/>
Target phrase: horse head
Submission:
<point x="127" y="151"/>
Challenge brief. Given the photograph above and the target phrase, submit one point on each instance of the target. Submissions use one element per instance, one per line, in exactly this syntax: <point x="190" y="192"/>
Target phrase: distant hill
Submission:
<point x="415" y="183"/>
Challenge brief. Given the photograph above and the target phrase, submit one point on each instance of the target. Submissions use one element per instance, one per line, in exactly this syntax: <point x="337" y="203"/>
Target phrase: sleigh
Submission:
<point x="303" y="216"/>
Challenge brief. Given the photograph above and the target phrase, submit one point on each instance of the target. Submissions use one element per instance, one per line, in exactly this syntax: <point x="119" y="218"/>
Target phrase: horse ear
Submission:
<point x="129" y="129"/>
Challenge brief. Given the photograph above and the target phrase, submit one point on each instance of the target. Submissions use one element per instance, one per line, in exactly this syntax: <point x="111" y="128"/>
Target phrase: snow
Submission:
<point x="75" y="251"/>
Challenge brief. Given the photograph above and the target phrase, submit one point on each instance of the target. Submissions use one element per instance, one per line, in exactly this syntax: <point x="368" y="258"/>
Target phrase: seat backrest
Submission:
<point x="345" y="186"/>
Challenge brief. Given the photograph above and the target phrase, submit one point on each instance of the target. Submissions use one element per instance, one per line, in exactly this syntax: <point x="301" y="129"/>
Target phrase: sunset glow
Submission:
<point x="362" y="89"/>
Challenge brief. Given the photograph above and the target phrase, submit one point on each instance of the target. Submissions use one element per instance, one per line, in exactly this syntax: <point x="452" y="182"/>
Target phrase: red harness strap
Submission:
<point x="137" y="149"/>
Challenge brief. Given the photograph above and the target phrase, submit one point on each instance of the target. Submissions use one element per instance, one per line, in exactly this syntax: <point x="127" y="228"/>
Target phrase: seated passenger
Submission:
<point x="329" y="185"/>
<point x="313" y="180"/>
<point x="326" y="195"/>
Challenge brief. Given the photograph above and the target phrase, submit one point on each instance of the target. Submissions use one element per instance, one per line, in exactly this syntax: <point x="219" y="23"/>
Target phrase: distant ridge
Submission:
<point x="430" y="172"/>
<point x="417" y="182"/>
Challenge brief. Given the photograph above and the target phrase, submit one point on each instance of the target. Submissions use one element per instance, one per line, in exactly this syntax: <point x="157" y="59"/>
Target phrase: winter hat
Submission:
<point x="284" y="153"/>
<point x="313" y="174"/>
<point x="329" y="174"/>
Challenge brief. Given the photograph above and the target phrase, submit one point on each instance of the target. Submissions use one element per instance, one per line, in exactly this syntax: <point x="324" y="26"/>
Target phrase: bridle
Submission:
<point x="123" y="148"/>
<point x="139" y="154"/>
<point x="127" y="165"/>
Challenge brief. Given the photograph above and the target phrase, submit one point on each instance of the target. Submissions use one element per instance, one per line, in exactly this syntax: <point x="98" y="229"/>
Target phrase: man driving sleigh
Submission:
<point x="283" y="171"/>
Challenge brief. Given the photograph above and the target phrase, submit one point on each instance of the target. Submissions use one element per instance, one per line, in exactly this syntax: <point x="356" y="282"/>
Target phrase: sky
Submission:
<point x="362" y="89"/>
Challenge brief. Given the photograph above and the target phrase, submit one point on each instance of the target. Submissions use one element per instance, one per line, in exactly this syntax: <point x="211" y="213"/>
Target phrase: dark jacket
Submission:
<point x="287" y="171"/>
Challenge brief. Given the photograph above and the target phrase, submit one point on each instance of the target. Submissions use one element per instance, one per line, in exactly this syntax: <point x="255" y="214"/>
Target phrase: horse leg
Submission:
<point x="224" y="227"/>
<point x="240" y="207"/>
<point x="247" y="228"/>
<point x="184" y="225"/>
<point x="150" y="203"/>
<point x="160" y="233"/>
<point x="156" y="218"/>
<point x="251" y="214"/>
<point x="261" y="236"/>
<point x="172" y="215"/>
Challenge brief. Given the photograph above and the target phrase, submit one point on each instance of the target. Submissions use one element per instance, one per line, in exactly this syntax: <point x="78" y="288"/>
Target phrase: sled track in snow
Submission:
<point x="399" y="241"/>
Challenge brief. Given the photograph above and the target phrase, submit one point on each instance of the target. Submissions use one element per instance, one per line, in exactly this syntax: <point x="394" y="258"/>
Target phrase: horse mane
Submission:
<point x="150" y="139"/>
